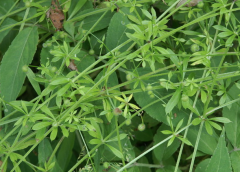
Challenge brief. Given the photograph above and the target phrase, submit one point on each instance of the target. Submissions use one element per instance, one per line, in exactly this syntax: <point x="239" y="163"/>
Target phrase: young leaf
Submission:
<point x="170" y="141"/>
<point x="117" y="29"/>
<point x="203" y="96"/>
<point x="53" y="134"/>
<point x="215" y="125"/>
<point x="7" y="22"/>
<point x="173" y="101"/>
<point x="146" y="13"/>
<point x="221" y="28"/>
<point x="77" y="7"/>
<point x="179" y="125"/>
<point x="167" y="132"/>
<point x="46" y="110"/>
<point x="60" y="80"/>
<point x="208" y="128"/>
<point x="220" y="119"/>
<point x="63" y="89"/>
<point x="115" y="151"/>
<point x="184" y="140"/>
<point x="121" y="136"/>
<point x="41" y="125"/>
<point x="196" y="121"/>
<point x="64" y="131"/>
<point x="95" y="141"/>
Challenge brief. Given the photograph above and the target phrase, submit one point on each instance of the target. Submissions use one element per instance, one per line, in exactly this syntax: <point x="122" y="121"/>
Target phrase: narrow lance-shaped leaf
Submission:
<point x="173" y="101"/>
<point x="20" y="53"/>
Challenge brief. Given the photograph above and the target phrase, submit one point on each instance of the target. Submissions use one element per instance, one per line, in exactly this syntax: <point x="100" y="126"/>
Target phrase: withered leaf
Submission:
<point x="56" y="15"/>
<point x="72" y="66"/>
<point x="190" y="4"/>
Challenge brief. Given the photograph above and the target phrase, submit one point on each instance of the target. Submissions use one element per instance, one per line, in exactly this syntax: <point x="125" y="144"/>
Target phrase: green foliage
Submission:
<point x="121" y="85"/>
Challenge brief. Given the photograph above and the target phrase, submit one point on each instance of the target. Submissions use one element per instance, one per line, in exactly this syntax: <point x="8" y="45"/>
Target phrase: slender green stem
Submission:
<point x="55" y="150"/>
<point x="97" y="146"/>
<point x="23" y="21"/>
<point x="31" y="149"/>
<point x="24" y="18"/>
<point x="208" y="101"/>
<point x="155" y="146"/>
<point x="196" y="146"/>
<point x="8" y="12"/>
<point x="189" y="122"/>
<point x="119" y="140"/>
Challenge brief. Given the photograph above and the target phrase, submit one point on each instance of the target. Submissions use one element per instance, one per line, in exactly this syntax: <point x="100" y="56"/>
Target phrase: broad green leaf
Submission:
<point x="96" y="41"/>
<point x="77" y="7"/>
<point x="69" y="27"/>
<point x="41" y="125"/>
<point x="85" y="60"/>
<point x="162" y="152"/>
<point x="233" y="114"/>
<point x="143" y="160"/>
<point x="220" y="161"/>
<point x="44" y="151"/>
<point x="89" y="21"/>
<point x="5" y="6"/>
<point x="168" y="168"/>
<point x="7" y="22"/>
<point x="156" y="110"/>
<point x="65" y="151"/>
<point x="173" y="101"/>
<point x="207" y="143"/>
<point x="115" y="151"/>
<point x="117" y="29"/>
<point x="235" y="159"/>
<point x="202" y="165"/>
<point x="20" y="53"/>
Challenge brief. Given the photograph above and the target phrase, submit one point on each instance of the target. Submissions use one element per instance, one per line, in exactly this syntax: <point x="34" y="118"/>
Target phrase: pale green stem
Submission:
<point x="24" y="18"/>
<point x="196" y="146"/>
<point x="31" y="149"/>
